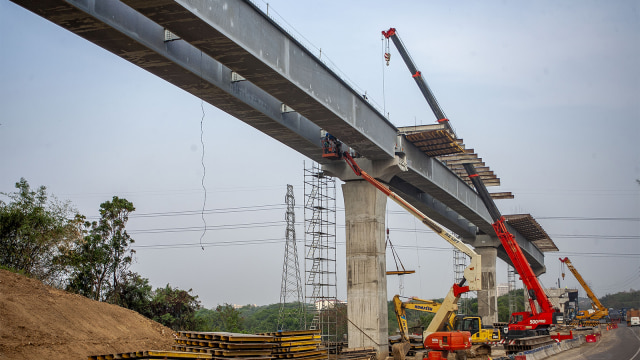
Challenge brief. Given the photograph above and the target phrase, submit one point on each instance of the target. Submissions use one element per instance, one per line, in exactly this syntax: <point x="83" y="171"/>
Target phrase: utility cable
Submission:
<point x="204" y="168"/>
<point x="384" y="98"/>
<point x="362" y="331"/>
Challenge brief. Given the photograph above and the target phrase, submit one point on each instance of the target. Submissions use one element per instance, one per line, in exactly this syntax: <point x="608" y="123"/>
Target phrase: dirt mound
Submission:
<point x="40" y="322"/>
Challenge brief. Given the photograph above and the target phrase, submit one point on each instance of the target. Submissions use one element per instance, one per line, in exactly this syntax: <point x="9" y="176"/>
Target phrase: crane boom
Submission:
<point x="392" y="34"/>
<point x="548" y="315"/>
<point x="600" y="310"/>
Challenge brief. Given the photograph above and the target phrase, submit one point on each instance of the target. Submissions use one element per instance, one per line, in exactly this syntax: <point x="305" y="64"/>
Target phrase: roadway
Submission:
<point x="622" y="343"/>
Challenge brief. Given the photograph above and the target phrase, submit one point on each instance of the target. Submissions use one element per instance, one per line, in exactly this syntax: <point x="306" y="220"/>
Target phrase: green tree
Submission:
<point x="101" y="259"/>
<point x="503" y="304"/>
<point x="134" y="293"/>
<point x="175" y="308"/>
<point x="36" y="233"/>
<point x="230" y="318"/>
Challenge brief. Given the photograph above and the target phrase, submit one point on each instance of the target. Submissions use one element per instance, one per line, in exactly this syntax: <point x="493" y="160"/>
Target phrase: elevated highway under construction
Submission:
<point x="235" y="57"/>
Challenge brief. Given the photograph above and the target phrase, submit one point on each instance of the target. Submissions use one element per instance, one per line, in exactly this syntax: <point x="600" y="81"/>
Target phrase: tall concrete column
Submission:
<point x="366" y="266"/>
<point x="487" y="297"/>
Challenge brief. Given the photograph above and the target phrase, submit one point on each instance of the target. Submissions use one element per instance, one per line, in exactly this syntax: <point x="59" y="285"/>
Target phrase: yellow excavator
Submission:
<point x="481" y="337"/>
<point x="592" y="316"/>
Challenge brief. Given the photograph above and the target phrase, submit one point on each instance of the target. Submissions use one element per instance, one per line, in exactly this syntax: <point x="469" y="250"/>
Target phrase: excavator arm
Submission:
<point x="414" y="304"/>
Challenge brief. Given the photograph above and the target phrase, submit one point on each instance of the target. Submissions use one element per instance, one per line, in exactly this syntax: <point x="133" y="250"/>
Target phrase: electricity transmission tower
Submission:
<point x="291" y="315"/>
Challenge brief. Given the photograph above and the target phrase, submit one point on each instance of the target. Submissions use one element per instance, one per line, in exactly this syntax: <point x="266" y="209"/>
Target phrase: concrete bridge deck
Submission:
<point x="225" y="39"/>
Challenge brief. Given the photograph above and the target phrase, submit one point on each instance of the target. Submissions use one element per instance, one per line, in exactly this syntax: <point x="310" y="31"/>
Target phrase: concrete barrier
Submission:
<point x="547" y="351"/>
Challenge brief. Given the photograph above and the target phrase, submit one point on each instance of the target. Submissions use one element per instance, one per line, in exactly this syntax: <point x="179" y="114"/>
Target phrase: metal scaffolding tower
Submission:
<point x="320" y="251"/>
<point x="511" y="279"/>
<point x="459" y="264"/>
<point x="292" y="311"/>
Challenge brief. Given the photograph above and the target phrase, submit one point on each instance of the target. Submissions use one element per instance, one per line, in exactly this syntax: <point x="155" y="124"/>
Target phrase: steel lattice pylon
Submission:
<point x="291" y="315"/>
<point x="320" y="252"/>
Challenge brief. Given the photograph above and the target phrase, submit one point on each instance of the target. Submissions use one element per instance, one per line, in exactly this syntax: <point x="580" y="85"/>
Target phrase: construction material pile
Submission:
<point x="152" y="354"/>
<point x="298" y="345"/>
<point x="224" y="345"/>
<point x="360" y="353"/>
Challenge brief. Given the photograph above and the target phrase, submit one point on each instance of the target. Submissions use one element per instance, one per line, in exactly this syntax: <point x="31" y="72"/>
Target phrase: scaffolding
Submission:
<point x="320" y="252"/>
<point x="292" y="311"/>
<point x="511" y="279"/>
<point x="459" y="264"/>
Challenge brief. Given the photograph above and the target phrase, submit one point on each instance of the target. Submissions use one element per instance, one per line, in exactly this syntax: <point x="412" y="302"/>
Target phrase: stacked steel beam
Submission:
<point x="298" y="345"/>
<point x="224" y="345"/>
<point x="361" y="353"/>
<point x="152" y="354"/>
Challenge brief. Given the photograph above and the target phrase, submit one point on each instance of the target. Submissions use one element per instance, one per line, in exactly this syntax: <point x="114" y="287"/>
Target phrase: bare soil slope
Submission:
<point x="40" y="322"/>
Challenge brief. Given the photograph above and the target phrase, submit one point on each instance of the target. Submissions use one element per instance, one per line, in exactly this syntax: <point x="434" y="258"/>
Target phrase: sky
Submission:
<point x="547" y="93"/>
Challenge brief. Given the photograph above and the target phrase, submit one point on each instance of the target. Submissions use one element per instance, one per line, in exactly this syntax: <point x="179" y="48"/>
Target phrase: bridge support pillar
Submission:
<point x="487" y="297"/>
<point x="366" y="266"/>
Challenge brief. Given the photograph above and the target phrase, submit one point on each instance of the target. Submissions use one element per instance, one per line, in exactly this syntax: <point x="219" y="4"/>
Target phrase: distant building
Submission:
<point x="563" y="299"/>
<point x="502" y="289"/>
<point x="327" y="304"/>
<point x="236" y="306"/>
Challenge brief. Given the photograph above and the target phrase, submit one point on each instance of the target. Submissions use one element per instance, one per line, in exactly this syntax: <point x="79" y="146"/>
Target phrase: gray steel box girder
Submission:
<point x="119" y="29"/>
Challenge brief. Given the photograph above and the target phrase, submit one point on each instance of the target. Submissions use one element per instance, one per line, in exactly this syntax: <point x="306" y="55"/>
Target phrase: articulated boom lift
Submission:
<point x="521" y="324"/>
<point x="599" y="311"/>
<point x="436" y="339"/>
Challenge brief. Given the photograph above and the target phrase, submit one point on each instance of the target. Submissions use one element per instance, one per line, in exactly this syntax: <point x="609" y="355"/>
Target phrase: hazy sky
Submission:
<point x="547" y="93"/>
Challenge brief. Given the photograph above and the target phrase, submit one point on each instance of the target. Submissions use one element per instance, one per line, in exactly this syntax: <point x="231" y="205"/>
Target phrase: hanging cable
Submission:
<point x="384" y="99"/>
<point x="204" y="168"/>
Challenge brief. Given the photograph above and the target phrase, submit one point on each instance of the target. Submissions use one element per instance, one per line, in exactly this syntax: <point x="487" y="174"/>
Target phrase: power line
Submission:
<point x="282" y="240"/>
<point x="210" y="227"/>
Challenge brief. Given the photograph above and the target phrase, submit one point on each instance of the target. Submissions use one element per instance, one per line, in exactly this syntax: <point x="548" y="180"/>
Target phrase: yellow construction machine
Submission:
<point x="481" y="336"/>
<point x="592" y="316"/>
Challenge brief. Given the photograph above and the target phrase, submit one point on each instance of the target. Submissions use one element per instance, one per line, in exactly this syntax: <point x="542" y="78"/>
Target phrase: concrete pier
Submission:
<point x="366" y="267"/>
<point x="487" y="297"/>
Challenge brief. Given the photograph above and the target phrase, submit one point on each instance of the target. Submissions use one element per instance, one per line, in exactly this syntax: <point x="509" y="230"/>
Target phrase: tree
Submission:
<point x="101" y="259"/>
<point x="230" y="318"/>
<point x="36" y="233"/>
<point x="503" y="304"/>
<point x="175" y="308"/>
<point x="134" y="293"/>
